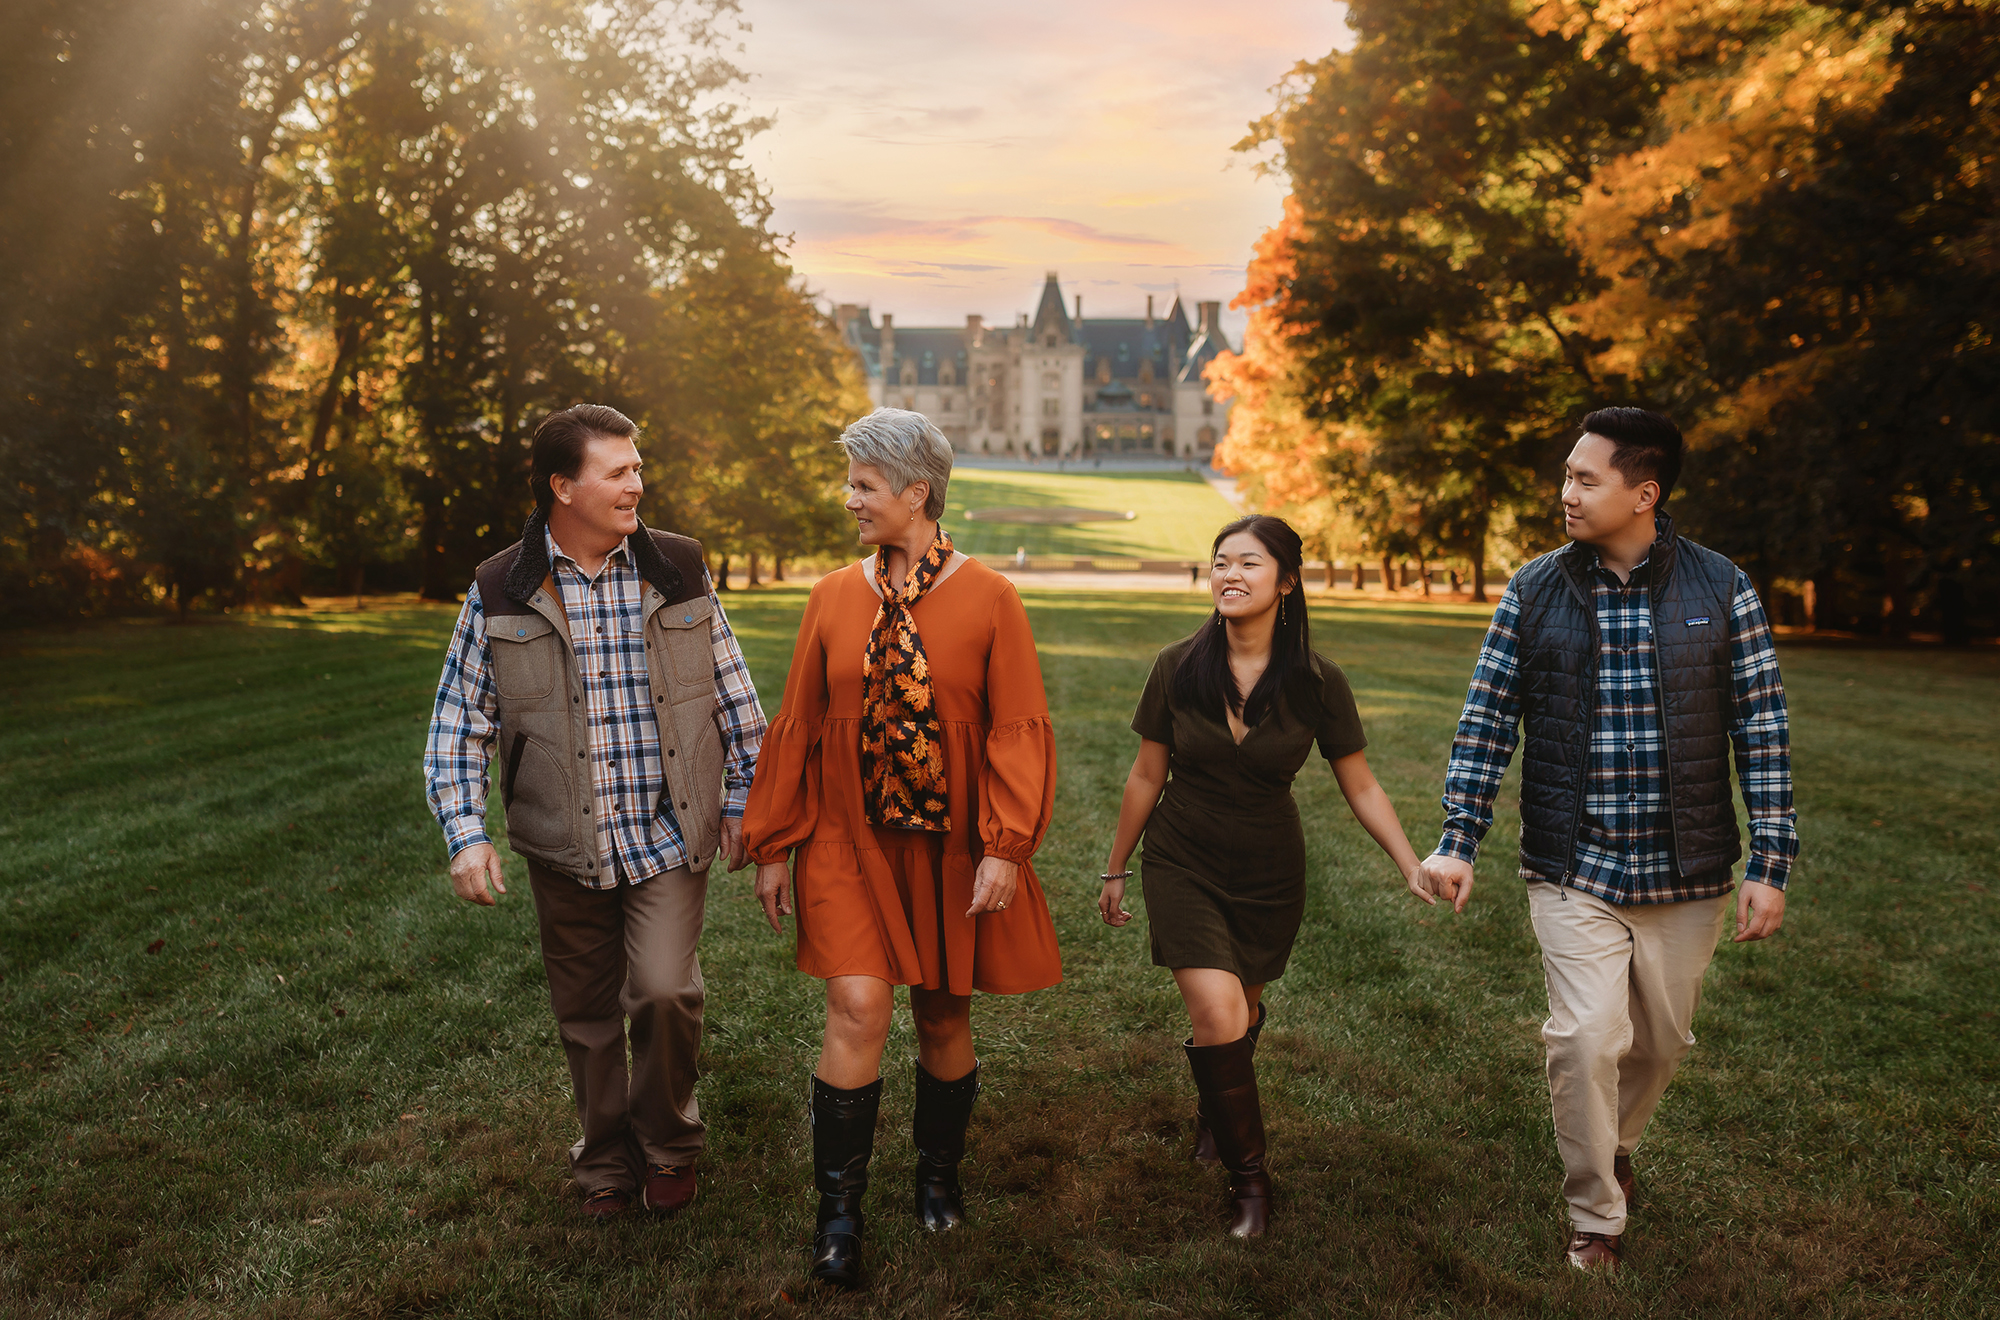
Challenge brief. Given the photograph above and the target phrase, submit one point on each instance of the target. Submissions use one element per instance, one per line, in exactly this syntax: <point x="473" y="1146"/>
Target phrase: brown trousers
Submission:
<point x="1624" y="983"/>
<point x="616" y="957"/>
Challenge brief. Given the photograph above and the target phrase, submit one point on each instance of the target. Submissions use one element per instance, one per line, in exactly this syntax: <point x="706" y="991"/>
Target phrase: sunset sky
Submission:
<point x="933" y="159"/>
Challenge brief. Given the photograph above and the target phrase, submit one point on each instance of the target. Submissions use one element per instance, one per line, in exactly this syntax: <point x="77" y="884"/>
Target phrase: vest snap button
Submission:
<point x="520" y="632"/>
<point x="687" y="618"/>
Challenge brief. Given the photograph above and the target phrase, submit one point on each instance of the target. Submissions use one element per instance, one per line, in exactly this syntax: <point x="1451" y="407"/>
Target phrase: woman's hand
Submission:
<point x="1111" y="903"/>
<point x="993" y="885"/>
<point x="774" y="892"/>
<point x="1419" y="885"/>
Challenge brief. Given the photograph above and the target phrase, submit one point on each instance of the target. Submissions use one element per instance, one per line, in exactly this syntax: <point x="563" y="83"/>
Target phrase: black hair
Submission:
<point x="1203" y="680"/>
<point x="1645" y="446"/>
<point x="562" y="439"/>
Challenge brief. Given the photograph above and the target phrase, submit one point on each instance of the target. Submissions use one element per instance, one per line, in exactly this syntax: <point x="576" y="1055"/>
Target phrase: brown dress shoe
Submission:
<point x="1594" y="1252"/>
<point x="669" y="1188"/>
<point x="607" y="1202"/>
<point x="1621" y="1172"/>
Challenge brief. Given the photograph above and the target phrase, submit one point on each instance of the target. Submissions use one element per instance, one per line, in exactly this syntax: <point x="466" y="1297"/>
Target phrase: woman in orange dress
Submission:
<point x="909" y="776"/>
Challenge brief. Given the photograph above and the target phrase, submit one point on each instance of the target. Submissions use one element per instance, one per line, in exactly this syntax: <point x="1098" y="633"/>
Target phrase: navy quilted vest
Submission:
<point x="1691" y="593"/>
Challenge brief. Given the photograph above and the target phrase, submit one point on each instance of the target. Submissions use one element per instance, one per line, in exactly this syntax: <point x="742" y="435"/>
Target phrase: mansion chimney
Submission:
<point x="1149" y="311"/>
<point x="889" y="341"/>
<point x="975" y="330"/>
<point x="1079" y="316"/>
<point x="1211" y="316"/>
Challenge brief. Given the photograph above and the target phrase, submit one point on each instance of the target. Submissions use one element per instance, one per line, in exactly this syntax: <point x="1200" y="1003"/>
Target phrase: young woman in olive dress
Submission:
<point x="1228" y="717"/>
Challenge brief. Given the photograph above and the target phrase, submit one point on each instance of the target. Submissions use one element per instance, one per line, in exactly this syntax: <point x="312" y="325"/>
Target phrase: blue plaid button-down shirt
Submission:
<point x="633" y="842"/>
<point x="1624" y="851"/>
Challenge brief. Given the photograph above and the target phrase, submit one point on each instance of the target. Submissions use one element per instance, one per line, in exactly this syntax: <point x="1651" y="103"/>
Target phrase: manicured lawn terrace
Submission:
<point x="336" y="1091"/>
<point x="1178" y="513"/>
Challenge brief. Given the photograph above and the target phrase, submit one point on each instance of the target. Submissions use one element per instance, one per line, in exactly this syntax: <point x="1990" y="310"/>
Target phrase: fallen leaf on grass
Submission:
<point x="409" y="1118"/>
<point x="129" y="1024"/>
<point x="156" y="946"/>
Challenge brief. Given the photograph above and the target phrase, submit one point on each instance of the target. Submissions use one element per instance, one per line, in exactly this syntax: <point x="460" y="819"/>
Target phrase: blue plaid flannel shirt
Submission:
<point x="625" y="759"/>
<point x="1624" y="851"/>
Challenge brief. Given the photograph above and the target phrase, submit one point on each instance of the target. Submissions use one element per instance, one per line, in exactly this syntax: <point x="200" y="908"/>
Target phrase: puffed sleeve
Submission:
<point x="1018" y="790"/>
<point x="784" y="796"/>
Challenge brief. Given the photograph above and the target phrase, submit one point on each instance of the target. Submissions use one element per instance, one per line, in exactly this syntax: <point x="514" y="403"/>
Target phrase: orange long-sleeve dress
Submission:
<point x="891" y="902"/>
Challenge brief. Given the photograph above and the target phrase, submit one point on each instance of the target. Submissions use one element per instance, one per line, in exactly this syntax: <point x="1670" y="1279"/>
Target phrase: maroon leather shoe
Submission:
<point x="1621" y="1172"/>
<point x="607" y="1202"/>
<point x="669" y="1188"/>
<point x="1597" y="1253"/>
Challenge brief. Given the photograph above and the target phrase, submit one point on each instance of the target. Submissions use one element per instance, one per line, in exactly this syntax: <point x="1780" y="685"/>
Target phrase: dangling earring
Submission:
<point x="1218" y="618"/>
<point x="1281" y="607"/>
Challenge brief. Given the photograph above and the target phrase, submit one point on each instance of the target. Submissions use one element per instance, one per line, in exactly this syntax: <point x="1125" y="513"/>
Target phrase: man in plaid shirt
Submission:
<point x="593" y="656"/>
<point x="1638" y="662"/>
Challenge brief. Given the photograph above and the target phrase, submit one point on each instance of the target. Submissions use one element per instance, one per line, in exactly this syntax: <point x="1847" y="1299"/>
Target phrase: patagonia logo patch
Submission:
<point x="1699" y="618"/>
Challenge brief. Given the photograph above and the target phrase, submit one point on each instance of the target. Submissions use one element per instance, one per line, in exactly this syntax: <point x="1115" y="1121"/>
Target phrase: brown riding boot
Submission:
<point x="1204" y="1140"/>
<point x="1226" y="1078"/>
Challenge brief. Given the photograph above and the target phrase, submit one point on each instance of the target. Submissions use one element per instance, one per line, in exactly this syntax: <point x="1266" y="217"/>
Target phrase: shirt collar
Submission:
<point x="1643" y="570"/>
<point x="622" y="551"/>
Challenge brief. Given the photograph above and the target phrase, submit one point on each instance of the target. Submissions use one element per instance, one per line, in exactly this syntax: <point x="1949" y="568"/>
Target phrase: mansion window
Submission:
<point x="944" y="404"/>
<point x="1051" y="407"/>
<point x="1208" y="407"/>
<point x="1051" y="381"/>
<point x="909" y="373"/>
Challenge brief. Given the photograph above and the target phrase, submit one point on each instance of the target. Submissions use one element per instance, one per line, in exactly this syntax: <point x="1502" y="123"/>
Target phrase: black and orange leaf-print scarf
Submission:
<point x="902" y="752"/>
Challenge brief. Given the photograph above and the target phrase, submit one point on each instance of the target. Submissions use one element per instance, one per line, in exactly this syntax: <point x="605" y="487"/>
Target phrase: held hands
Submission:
<point x="472" y="867"/>
<point x="1760" y="910"/>
<point x="1446" y="877"/>
<point x="993" y="885"/>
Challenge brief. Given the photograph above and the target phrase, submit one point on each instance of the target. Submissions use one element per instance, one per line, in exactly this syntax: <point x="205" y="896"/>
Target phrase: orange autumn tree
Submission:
<point x="1799" y="261"/>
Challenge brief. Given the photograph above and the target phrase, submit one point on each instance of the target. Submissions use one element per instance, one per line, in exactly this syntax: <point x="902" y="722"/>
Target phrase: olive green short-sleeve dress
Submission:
<point x="1224" y="862"/>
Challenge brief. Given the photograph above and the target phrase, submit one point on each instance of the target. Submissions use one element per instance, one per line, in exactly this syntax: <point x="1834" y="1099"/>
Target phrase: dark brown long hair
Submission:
<point x="1203" y="680"/>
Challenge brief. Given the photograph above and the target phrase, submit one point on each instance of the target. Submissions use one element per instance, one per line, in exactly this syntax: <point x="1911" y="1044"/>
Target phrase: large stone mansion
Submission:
<point x="1056" y="384"/>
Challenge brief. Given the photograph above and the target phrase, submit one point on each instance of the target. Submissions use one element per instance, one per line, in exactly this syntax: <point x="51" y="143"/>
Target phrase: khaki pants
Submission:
<point x="616" y="956"/>
<point x="1623" y="985"/>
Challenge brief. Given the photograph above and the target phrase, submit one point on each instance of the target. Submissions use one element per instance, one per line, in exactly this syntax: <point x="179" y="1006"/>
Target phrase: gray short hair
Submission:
<point x="904" y="447"/>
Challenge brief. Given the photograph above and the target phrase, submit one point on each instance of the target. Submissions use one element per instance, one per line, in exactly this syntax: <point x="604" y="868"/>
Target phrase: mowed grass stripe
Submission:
<point x="381" y="1131"/>
<point x="1178" y="513"/>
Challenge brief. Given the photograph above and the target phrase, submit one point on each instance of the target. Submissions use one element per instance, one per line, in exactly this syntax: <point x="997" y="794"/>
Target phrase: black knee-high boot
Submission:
<point x="843" y="1128"/>
<point x="1226" y="1077"/>
<point x="943" y="1109"/>
<point x="1204" y="1140"/>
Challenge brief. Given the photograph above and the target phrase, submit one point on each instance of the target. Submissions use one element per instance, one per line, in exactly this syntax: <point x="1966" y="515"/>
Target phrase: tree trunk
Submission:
<point x="1388" y="573"/>
<point x="1424" y="575"/>
<point x="777" y="568"/>
<point x="1360" y="574"/>
<point x="722" y="577"/>
<point x="751" y="581"/>
<point x="1479" y="570"/>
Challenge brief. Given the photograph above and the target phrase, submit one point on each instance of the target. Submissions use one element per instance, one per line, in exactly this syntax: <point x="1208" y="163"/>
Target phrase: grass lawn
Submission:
<point x="333" y="1090"/>
<point x="1178" y="513"/>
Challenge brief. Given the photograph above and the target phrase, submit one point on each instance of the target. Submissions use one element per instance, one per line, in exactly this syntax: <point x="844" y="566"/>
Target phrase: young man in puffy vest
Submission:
<point x="1633" y="662"/>
<point x="593" y="658"/>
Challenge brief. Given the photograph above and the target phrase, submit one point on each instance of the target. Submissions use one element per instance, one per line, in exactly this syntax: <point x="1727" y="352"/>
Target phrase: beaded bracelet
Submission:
<point x="1116" y="875"/>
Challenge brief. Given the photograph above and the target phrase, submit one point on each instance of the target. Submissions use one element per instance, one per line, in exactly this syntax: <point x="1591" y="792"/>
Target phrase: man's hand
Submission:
<point x="1449" y="878"/>
<point x="774" y="892"/>
<point x="471" y="868"/>
<point x="1760" y="910"/>
<point x="993" y="885"/>
<point x="732" y="842"/>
